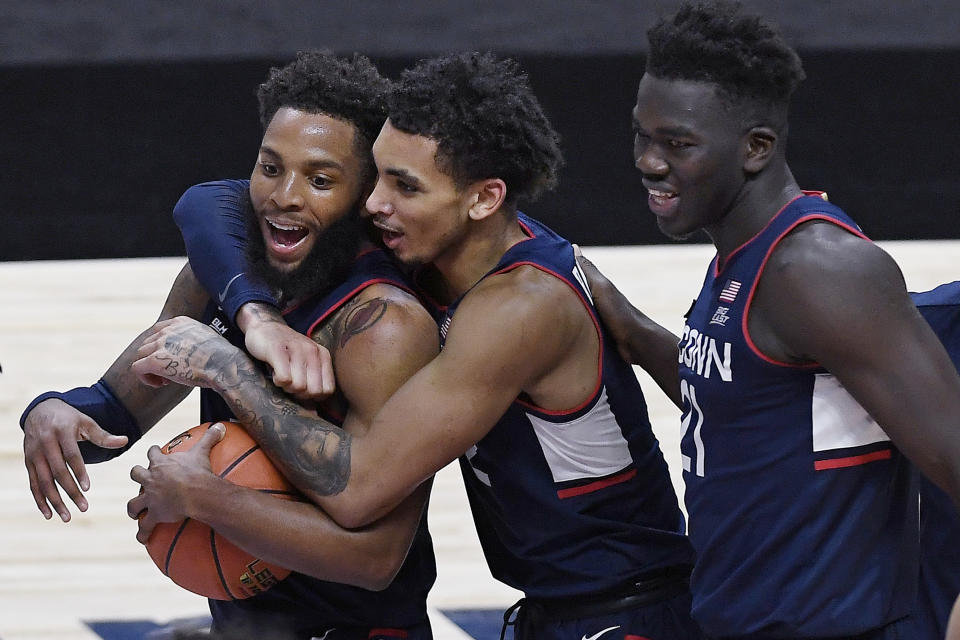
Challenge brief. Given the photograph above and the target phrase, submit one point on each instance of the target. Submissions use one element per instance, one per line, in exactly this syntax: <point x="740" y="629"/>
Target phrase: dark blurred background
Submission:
<point x="111" y="109"/>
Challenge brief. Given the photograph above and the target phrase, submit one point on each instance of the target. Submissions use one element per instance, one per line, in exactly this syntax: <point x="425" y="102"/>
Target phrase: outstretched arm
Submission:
<point x="63" y="432"/>
<point x="213" y="221"/>
<point x="640" y="340"/>
<point x="383" y="340"/>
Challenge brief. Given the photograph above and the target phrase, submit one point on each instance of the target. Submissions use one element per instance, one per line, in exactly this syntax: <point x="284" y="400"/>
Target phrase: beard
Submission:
<point x="324" y="267"/>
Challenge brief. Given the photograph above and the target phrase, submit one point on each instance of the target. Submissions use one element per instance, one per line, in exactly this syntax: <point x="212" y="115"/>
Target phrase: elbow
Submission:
<point x="350" y="510"/>
<point x="381" y="569"/>
<point x="380" y="578"/>
<point x="354" y="516"/>
<point x="371" y="571"/>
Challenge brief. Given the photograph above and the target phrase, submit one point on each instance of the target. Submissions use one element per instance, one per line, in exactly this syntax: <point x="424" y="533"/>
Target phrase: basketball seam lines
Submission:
<point x="223" y="474"/>
<point x="173" y="545"/>
<point x="216" y="561"/>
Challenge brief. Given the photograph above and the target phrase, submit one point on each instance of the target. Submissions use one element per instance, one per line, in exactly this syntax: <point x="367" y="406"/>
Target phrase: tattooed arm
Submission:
<point x="310" y="451"/>
<point x="433" y="418"/>
<point x="378" y="340"/>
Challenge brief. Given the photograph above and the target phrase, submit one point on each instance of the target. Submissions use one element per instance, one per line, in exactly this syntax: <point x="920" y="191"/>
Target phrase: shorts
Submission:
<point x="659" y="614"/>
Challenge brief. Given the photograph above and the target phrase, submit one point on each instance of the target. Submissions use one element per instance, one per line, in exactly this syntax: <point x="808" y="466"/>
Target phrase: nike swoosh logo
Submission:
<point x="223" y="294"/>
<point x="599" y="633"/>
<point x="328" y="631"/>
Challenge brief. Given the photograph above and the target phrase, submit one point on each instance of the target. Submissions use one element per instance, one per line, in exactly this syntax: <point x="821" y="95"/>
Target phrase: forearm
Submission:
<point x="300" y="536"/>
<point x="654" y="349"/>
<point x="311" y="452"/>
<point x="640" y="340"/>
<point x="147" y="405"/>
<point x="211" y="218"/>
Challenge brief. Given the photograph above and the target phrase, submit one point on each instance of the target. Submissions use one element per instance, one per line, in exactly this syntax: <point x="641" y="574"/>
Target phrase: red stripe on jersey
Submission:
<point x="852" y="461"/>
<point x="596" y="486"/>
<point x="630" y="637"/>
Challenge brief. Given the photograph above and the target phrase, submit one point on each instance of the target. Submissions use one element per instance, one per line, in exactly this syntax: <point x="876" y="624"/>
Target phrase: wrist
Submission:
<point x="252" y="314"/>
<point x="208" y="495"/>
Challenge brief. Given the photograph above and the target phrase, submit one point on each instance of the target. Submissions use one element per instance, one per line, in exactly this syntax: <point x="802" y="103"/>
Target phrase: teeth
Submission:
<point x="284" y="227"/>
<point x="661" y="194"/>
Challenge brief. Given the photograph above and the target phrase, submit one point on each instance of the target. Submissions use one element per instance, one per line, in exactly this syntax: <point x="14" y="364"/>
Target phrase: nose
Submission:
<point x="377" y="202"/>
<point x="286" y="195"/>
<point x="647" y="159"/>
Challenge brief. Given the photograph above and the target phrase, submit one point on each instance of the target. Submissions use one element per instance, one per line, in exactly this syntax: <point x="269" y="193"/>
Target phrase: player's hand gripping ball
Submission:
<point x="198" y="558"/>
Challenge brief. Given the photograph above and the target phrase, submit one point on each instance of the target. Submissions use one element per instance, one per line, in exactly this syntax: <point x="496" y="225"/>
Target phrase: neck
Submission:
<point x="479" y="252"/>
<point x="752" y="209"/>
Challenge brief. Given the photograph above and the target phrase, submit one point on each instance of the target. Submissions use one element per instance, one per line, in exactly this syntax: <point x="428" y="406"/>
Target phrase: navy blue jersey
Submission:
<point x="578" y="501"/>
<point x="802" y="513"/>
<point x="939" y="521"/>
<point x="303" y="604"/>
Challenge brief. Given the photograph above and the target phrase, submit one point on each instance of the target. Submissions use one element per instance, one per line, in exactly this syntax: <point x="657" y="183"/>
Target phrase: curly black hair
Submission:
<point x="485" y="120"/>
<point x="743" y="55"/>
<point x="349" y="89"/>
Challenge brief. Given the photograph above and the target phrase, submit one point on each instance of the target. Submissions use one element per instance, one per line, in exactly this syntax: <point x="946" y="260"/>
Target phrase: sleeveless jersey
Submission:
<point x="579" y="501"/>
<point x="939" y="521"/>
<point x="307" y="605"/>
<point x="802" y="513"/>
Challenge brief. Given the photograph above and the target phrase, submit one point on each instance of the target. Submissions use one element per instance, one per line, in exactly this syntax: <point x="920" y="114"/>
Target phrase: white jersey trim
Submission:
<point x="839" y="422"/>
<point x="590" y="446"/>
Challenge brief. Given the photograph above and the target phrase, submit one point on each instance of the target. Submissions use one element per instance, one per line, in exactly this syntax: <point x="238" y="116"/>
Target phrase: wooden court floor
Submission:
<point x="62" y="323"/>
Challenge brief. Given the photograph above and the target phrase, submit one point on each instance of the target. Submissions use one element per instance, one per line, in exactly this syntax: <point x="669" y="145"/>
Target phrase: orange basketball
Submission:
<point x="198" y="558"/>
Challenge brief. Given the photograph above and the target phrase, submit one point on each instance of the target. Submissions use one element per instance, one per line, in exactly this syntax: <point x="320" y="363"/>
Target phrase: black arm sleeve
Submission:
<point x="211" y="220"/>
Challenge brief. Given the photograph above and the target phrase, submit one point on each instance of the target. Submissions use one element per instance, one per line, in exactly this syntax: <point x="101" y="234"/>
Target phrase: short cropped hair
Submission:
<point x="486" y="122"/>
<point x="743" y="55"/>
<point x="349" y="89"/>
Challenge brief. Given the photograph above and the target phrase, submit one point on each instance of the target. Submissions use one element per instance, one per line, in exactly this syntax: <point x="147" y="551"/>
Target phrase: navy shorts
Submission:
<point x="667" y="619"/>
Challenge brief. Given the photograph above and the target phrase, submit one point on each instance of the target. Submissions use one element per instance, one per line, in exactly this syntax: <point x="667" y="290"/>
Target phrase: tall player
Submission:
<point x="301" y="205"/>
<point x="571" y="496"/>
<point x="806" y="375"/>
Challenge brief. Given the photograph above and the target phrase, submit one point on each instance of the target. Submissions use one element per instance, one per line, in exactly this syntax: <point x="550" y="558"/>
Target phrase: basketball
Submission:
<point x="198" y="558"/>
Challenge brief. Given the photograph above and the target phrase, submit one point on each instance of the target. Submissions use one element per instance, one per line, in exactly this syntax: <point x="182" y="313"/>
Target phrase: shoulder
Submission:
<point x="824" y="289"/>
<point x="525" y="311"/>
<point x="522" y="290"/>
<point x="213" y="192"/>
<point x="383" y="314"/>
<point x="823" y="257"/>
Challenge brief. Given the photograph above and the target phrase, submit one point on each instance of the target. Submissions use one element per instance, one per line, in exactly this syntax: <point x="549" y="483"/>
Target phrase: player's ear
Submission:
<point x="760" y="147"/>
<point x="488" y="196"/>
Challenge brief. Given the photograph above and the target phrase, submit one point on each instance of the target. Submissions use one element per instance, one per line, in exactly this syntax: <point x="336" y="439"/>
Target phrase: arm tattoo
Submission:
<point x="352" y="320"/>
<point x="313" y="453"/>
<point x="361" y="318"/>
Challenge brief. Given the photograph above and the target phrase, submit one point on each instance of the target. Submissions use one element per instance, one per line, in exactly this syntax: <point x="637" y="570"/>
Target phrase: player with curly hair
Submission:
<point x="570" y="493"/>
<point x="300" y="215"/>
<point x="807" y="379"/>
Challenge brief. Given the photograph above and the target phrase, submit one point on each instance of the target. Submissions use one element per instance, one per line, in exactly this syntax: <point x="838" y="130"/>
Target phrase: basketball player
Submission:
<point x="806" y="376"/>
<point x="939" y="521"/>
<point x="570" y="493"/>
<point x="314" y="168"/>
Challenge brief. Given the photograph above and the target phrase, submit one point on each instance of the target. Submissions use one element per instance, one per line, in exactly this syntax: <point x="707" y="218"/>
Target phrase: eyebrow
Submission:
<point x="405" y="175"/>
<point x="315" y="163"/>
<point x="674" y="131"/>
<point x="677" y="131"/>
